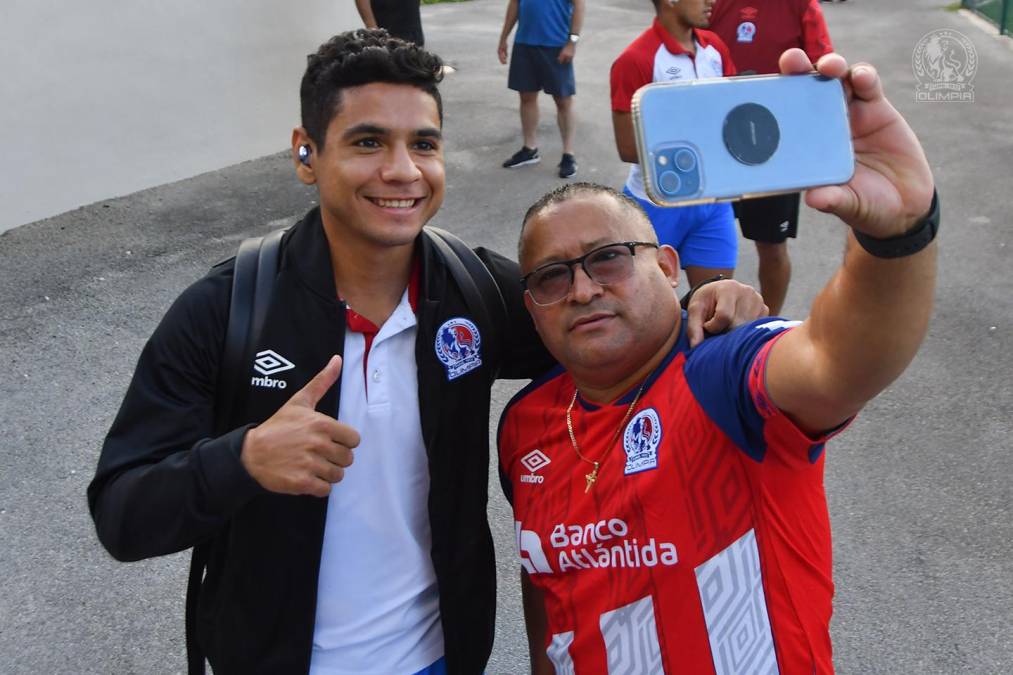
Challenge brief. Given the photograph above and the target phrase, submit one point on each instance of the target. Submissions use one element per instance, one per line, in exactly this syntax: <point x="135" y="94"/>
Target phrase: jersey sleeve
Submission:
<point x="627" y="75"/>
<point x="727" y="377"/>
<point x="815" y="36"/>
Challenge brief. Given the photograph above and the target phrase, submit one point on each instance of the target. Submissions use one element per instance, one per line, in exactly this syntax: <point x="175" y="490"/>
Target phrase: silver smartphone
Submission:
<point x="723" y="139"/>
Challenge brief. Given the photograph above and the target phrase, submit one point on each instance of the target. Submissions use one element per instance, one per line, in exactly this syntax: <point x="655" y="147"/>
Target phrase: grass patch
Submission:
<point x="953" y="6"/>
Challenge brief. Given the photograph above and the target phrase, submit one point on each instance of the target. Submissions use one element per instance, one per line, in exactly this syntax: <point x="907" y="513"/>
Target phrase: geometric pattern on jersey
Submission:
<point x="631" y="639"/>
<point x="736" y="493"/>
<point x="559" y="654"/>
<point x="731" y="593"/>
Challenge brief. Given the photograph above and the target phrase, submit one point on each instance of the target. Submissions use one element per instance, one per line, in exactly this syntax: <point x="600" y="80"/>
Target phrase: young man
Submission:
<point x="669" y="501"/>
<point x="544" y="47"/>
<point x="757" y="32"/>
<point x="676" y="47"/>
<point x="316" y="564"/>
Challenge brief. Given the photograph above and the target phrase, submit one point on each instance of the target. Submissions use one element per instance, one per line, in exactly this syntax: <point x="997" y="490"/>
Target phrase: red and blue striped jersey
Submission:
<point x="704" y="545"/>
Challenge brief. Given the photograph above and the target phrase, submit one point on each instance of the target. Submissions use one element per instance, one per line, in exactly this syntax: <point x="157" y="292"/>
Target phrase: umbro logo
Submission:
<point x="533" y="461"/>
<point x="270" y="362"/>
<point x="673" y="72"/>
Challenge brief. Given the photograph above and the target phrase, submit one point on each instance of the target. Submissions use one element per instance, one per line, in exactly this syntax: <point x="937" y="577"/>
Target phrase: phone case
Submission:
<point x="723" y="139"/>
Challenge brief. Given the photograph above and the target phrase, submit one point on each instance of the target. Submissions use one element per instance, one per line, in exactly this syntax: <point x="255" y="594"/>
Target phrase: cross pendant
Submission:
<point x="591" y="478"/>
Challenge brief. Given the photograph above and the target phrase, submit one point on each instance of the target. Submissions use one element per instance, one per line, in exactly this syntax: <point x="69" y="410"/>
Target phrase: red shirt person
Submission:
<point x="757" y="32"/>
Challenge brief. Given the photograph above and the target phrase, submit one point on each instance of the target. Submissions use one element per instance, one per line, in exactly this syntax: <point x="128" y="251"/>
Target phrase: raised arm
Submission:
<point x="867" y="323"/>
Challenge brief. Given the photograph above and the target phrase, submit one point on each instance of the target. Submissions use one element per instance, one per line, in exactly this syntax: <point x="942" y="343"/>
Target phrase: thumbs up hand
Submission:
<point x="299" y="451"/>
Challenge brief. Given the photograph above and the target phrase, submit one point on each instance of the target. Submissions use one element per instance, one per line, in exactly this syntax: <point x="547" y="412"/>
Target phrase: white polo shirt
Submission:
<point x="377" y="601"/>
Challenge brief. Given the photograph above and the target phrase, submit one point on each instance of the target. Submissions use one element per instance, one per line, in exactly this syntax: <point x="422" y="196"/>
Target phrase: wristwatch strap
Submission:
<point x="909" y="243"/>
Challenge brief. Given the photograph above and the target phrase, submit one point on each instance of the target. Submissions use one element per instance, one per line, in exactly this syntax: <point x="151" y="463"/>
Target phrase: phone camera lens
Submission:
<point x="685" y="161"/>
<point x="670" y="182"/>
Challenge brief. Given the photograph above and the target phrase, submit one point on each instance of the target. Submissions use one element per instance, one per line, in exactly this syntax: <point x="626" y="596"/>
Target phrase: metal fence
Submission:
<point x="999" y="12"/>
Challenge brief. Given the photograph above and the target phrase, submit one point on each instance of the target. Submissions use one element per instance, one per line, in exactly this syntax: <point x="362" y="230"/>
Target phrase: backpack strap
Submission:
<point x="479" y="287"/>
<point x="253" y="279"/>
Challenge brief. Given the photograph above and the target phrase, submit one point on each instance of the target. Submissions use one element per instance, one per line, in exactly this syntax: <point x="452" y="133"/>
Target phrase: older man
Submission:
<point x="669" y="501"/>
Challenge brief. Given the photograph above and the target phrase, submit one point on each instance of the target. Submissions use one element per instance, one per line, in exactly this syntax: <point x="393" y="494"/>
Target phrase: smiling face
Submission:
<point x="602" y="334"/>
<point x="380" y="172"/>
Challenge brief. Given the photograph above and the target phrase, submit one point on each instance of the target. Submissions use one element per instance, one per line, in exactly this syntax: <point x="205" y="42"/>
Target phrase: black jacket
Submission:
<point x="165" y="483"/>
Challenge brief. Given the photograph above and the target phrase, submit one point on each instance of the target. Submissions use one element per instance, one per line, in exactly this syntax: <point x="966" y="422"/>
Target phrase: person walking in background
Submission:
<point x="400" y="18"/>
<point x="544" y="48"/>
<point x="676" y="47"/>
<point x="757" y="32"/>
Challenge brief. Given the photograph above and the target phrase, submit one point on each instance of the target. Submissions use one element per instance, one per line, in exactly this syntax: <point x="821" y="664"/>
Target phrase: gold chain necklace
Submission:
<point x="592" y="477"/>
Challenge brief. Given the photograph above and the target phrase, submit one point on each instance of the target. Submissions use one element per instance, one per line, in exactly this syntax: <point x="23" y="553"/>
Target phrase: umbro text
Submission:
<point x="268" y="383"/>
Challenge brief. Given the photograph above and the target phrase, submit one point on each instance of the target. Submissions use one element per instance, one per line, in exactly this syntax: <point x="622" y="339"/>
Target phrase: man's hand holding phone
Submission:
<point x="893" y="185"/>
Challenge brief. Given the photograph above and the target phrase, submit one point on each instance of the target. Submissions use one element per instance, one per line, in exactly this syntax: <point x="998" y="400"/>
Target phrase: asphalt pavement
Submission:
<point x="919" y="486"/>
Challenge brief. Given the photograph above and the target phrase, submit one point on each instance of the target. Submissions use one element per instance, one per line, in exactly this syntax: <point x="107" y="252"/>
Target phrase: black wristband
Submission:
<point x="684" y="303"/>
<point x="909" y="243"/>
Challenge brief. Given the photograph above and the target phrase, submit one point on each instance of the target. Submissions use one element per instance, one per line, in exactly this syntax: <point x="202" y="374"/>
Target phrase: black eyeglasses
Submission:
<point x="604" y="265"/>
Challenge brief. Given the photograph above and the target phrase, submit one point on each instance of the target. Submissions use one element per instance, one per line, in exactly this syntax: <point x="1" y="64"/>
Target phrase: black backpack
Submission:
<point x="253" y="278"/>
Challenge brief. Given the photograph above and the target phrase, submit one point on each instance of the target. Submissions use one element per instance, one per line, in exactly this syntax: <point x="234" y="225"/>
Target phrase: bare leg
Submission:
<point x="565" y="119"/>
<point x="529" y="118"/>
<point x="774" y="273"/>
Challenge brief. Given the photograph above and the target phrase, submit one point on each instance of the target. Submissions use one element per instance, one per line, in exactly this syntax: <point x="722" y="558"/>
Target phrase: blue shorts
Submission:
<point x="537" y="69"/>
<point x="704" y="235"/>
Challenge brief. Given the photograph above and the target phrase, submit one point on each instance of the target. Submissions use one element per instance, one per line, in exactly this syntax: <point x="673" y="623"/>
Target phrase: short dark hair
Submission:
<point x="361" y="57"/>
<point x="568" y="191"/>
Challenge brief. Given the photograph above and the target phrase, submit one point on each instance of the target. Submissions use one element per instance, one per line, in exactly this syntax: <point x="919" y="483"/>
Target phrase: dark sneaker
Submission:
<point x="523" y="157"/>
<point x="567" y="166"/>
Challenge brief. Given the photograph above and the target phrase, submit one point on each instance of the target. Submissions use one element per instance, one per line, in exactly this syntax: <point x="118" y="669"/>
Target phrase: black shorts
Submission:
<point x="769" y="219"/>
<point x="538" y="69"/>
<point x="401" y="18"/>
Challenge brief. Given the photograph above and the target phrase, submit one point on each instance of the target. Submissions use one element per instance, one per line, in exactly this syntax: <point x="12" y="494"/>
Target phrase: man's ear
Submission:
<point x="668" y="261"/>
<point x="303" y="169"/>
